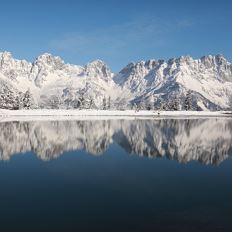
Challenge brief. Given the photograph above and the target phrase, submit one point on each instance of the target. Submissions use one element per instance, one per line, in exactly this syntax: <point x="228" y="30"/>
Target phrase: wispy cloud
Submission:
<point x="118" y="37"/>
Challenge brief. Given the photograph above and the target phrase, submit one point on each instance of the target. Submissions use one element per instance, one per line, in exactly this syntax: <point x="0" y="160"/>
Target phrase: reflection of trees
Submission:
<point x="205" y="140"/>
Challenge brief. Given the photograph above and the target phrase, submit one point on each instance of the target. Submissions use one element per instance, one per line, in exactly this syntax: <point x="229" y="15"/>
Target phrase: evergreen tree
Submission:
<point x="174" y="103"/>
<point x="104" y="104"/>
<point x="148" y="106"/>
<point x="75" y="103"/>
<point x="19" y="100"/>
<point x="120" y="103"/>
<point x="230" y="102"/>
<point x="164" y="105"/>
<point x="135" y="107"/>
<point x="109" y="103"/>
<point x="2" y="101"/>
<point x="155" y="103"/>
<point x="92" y="103"/>
<point x="81" y="100"/>
<point x="54" y="102"/>
<point x="188" y="101"/>
<point x="27" y="100"/>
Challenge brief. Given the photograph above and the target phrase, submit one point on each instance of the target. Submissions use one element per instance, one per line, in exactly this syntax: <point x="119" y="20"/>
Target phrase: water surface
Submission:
<point x="116" y="175"/>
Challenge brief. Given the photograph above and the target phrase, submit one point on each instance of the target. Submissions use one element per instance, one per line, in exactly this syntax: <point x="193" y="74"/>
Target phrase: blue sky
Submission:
<point x="116" y="31"/>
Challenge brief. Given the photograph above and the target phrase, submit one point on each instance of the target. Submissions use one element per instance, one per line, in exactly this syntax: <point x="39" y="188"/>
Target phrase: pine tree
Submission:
<point x="230" y="102"/>
<point x="148" y="106"/>
<point x="9" y="99"/>
<point x="120" y="103"/>
<point x="2" y="101"/>
<point x="174" y="103"/>
<point x="135" y="107"/>
<point x="75" y="103"/>
<point x="164" y="105"/>
<point x="17" y="103"/>
<point x="91" y="103"/>
<point x="188" y="101"/>
<point x="104" y="104"/>
<point x="20" y="100"/>
<point x="109" y="103"/>
<point x="155" y="103"/>
<point x="27" y="100"/>
<point x="81" y="100"/>
<point x="54" y="102"/>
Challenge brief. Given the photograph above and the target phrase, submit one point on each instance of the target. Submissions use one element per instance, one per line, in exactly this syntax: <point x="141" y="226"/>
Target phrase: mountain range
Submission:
<point x="48" y="82"/>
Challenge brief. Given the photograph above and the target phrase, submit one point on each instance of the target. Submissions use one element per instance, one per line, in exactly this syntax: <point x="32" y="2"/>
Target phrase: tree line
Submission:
<point x="15" y="101"/>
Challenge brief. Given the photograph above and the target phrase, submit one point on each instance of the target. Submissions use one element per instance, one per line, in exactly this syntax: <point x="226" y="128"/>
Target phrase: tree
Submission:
<point x="27" y="100"/>
<point x="75" y="104"/>
<point x="104" y="104"/>
<point x="109" y="103"/>
<point x="92" y="104"/>
<point x="188" y="101"/>
<point x="81" y="100"/>
<point x="120" y="103"/>
<point x="54" y="102"/>
<point x="155" y="103"/>
<point x="9" y="99"/>
<point x="135" y="107"/>
<point x="148" y="106"/>
<point x="163" y="105"/>
<point x="174" y="103"/>
<point x="230" y="102"/>
<point x="18" y="103"/>
<point x="141" y="105"/>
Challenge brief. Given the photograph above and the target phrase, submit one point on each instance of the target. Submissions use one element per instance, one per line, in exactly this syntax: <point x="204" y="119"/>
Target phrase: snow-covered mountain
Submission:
<point x="49" y="82"/>
<point x="208" y="141"/>
<point x="209" y="79"/>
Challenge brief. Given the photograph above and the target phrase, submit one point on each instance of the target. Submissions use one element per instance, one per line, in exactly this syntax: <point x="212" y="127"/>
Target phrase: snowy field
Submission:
<point x="42" y="114"/>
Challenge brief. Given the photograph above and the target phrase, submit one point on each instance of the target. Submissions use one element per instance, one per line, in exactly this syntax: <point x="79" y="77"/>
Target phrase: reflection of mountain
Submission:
<point x="206" y="140"/>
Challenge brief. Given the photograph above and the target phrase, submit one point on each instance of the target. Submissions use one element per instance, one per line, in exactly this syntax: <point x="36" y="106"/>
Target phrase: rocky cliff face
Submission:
<point x="53" y="83"/>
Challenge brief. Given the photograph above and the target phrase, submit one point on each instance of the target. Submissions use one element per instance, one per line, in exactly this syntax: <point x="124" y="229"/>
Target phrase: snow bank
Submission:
<point x="42" y="114"/>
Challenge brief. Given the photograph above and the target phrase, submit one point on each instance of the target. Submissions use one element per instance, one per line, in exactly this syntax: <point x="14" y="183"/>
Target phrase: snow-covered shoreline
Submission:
<point x="42" y="114"/>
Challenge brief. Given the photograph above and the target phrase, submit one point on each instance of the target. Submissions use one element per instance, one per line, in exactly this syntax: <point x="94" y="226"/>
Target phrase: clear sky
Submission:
<point x="116" y="31"/>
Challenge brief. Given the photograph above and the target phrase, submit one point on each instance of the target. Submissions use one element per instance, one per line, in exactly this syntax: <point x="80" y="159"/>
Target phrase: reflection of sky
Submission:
<point x="113" y="192"/>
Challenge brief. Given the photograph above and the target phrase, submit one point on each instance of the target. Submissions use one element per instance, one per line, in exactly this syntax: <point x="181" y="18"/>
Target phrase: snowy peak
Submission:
<point x="8" y="62"/>
<point x="213" y="60"/>
<point x="5" y="56"/>
<point x="98" y="68"/>
<point x="48" y="60"/>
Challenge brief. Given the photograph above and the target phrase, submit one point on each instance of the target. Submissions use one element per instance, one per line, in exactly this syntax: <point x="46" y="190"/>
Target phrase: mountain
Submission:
<point x="209" y="79"/>
<point x="208" y="141"/>
<point x="176" y="84"/>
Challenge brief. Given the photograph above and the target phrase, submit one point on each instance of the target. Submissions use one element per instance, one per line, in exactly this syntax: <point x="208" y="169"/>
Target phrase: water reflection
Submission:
<point x="208" y="141"/>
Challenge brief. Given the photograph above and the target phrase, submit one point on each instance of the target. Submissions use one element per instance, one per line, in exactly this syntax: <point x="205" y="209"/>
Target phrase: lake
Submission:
<point x="116" y="175"/>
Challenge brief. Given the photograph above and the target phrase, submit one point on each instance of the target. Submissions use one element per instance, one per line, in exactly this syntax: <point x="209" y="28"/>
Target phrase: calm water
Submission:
<point x="119" y="175"/>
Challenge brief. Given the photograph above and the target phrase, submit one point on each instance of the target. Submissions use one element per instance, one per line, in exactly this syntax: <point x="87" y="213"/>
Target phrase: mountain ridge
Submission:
<point x="151" y="84"/>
